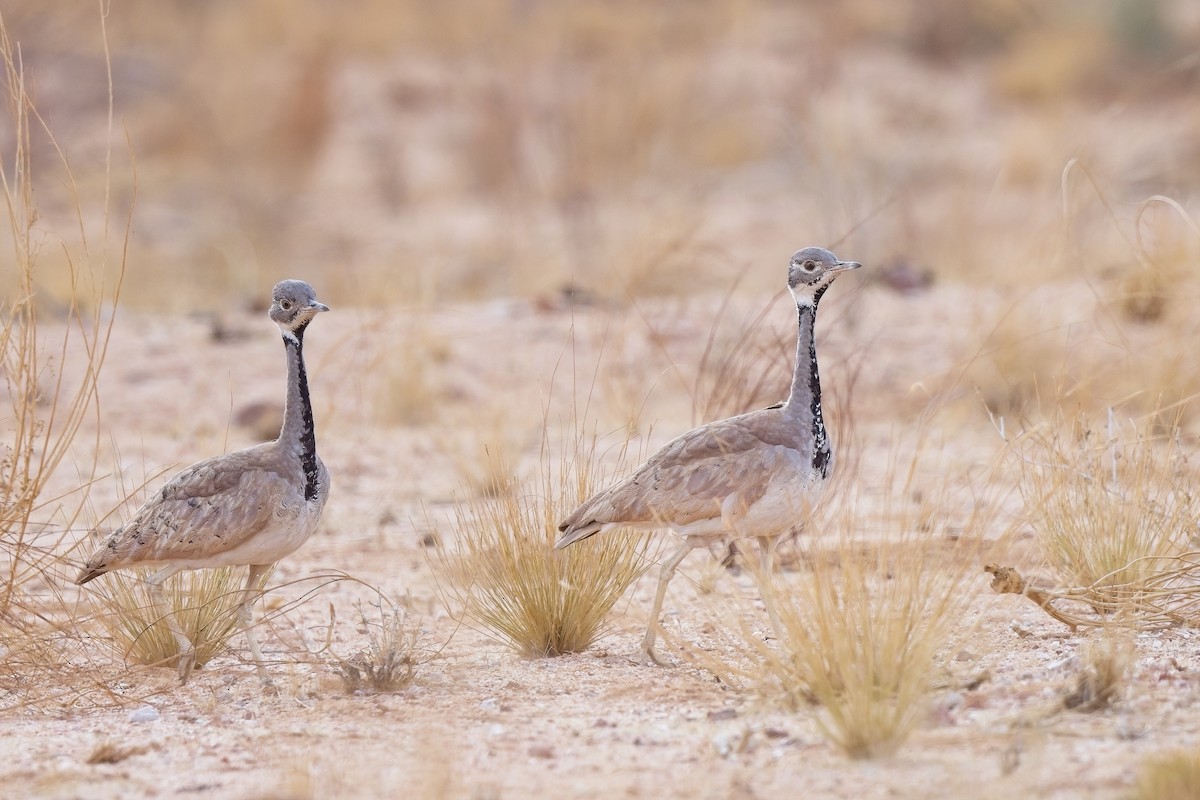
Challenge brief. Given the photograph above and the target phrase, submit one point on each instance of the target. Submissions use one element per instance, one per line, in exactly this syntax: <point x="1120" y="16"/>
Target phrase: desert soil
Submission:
<point x="479" y="721"/>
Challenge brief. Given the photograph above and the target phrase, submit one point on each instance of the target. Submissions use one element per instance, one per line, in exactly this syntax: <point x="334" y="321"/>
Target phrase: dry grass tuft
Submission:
<point x="507" y="577"/>
<point x="49" y="376"/>
<point x="390" y="661"/>
<point x="204" y="603"/>
<point x="1169" y="776"/>
<point x="1109" y="506"/>
<point x="55" y="322"/>
<point x="860" y="636"/>
<point x="1106" y="662"/>
<point x="874" y="603"/>
<point x="1115" y="516"/>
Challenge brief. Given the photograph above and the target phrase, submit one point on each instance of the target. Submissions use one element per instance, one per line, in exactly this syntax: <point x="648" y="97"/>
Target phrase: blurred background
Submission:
<point x="419" y="151"/>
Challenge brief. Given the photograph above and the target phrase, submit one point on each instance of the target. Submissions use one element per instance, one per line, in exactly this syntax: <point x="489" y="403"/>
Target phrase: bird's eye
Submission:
<point x="809" y="266"/>
<point x="286" y="305"/>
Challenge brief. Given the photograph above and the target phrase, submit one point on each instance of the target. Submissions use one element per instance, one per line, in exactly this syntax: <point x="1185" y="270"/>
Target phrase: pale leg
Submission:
<point x="766" y="547"/>
<point x="187" y="651"/>
<point x="246" y="616"/>
<point x="664" y="577"/>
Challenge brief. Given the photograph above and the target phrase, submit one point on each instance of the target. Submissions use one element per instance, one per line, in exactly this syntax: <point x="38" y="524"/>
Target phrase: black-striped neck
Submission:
<point x="804" y="401"/>
<point x="298" y="429"/>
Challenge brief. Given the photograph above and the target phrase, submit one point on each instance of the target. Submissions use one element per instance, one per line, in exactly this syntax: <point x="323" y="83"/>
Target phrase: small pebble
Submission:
<point x="490" y="704"/>
<point x="541" y="751"/>
<point x="144" y="714"/>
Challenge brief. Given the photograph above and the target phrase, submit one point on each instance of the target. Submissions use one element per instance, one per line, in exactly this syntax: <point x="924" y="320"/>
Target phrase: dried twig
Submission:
<point x="1167" y="600"/>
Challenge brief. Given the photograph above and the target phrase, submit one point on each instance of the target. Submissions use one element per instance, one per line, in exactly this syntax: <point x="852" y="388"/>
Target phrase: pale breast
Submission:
<point x="779" y="507"/>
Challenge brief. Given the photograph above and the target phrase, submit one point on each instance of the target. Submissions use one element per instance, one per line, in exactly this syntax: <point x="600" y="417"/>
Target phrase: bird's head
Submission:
<point x="293" y="305"/>
<point x="812" y="270"/>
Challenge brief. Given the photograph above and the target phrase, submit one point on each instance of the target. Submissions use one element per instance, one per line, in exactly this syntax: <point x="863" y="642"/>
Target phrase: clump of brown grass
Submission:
<point x="1108" y="505"/>
<point x="55" y="322"/>
<point x="203" y="602"/>
<point x="505" y="574"/>
<point x="392" y="656"/>
<point x="1115" y="516"/>
<point x="860" y="635"/>
<point x="877" y="599"/>
<point x="46" y="402"/>
<point x="1169" y="776"/>
<point x="1105" y="663"/>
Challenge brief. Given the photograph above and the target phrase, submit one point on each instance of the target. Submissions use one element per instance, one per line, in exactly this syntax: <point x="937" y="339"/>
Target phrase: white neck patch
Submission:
<point x="804" y="299"/>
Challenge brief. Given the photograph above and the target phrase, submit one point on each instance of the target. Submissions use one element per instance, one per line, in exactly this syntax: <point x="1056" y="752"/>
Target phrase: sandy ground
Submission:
<point x="480" y="722"/>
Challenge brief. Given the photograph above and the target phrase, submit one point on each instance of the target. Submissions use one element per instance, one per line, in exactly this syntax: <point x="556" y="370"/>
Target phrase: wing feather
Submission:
<point x="211" y="507"/>
<point x="692" y="476"/>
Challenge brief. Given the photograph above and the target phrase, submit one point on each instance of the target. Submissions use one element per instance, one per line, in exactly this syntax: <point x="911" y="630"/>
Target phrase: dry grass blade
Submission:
<point x="204" y="603"/>
<point x="506" y="575"/>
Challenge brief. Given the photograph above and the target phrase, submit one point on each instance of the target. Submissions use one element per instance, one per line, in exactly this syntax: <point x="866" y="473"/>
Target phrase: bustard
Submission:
<point x="250" y="507"/>
<point x="753" y="475"/>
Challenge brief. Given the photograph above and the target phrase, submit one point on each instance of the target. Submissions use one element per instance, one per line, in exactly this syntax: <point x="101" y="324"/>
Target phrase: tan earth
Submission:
<point x="481" y="722"/>
<point x="526" y="215"/>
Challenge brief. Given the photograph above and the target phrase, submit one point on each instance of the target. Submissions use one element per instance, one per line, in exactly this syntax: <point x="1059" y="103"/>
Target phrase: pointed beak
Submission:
<point x="315" y="306"/>
<point x="842" y="266"/>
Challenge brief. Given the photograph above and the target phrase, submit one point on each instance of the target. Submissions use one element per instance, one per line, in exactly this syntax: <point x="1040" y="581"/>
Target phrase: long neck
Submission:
<point x="804" y="401"/>
<point x="298" y="433"/>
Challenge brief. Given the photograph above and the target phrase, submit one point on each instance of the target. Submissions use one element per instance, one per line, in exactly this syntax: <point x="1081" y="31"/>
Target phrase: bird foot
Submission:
<point x="187" y="662"/>
<point x="647" y="656"/>
<point x="265" y="680"/>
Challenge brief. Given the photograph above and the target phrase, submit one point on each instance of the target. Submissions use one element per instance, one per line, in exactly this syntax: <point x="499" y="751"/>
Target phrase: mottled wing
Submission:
<point x="211" y="507"/>
<point x="689" y="479"/>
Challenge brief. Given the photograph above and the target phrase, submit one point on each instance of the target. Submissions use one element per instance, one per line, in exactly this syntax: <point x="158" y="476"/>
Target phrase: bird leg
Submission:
<point x="664" y="577"/>
<point x="246" y="616"/>
<point x="766" y="548"/>
<point x="187" y="651"/>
